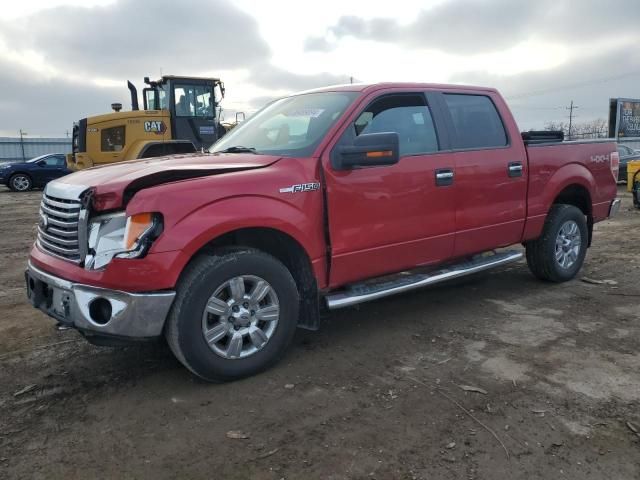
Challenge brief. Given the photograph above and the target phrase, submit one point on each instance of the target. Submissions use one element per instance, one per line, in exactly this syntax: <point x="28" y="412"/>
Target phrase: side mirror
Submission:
<point x="369" y="150"/>
<point x="42" y="163"/>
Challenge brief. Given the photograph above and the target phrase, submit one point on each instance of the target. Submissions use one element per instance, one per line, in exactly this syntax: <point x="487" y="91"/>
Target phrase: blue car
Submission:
<point x="23" y="176"/>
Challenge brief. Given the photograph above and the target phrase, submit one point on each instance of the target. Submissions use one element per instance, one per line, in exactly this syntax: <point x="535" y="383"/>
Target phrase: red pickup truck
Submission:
<point x="321" y="200"/>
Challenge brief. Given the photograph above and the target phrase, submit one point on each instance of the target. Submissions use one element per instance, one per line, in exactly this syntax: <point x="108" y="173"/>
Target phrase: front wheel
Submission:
<point x="20" y="182"/>
<point x="234" y="314"/>
<point x="559" y="253"/>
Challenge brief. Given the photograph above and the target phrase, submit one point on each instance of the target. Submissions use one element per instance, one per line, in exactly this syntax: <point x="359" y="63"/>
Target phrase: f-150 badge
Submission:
<point x="301" y="187"/>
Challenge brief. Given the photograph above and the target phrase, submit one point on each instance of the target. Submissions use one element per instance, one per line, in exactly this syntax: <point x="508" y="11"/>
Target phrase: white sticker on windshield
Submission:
<point x="305" y="112"/>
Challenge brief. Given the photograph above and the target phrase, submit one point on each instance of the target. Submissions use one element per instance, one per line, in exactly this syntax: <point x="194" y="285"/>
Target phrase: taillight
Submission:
<point x="615" y="165"/>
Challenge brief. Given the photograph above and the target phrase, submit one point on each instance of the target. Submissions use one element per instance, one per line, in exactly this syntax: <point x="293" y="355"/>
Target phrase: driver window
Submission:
<point x="204" y="101"/>
<point x="406" y="114"/>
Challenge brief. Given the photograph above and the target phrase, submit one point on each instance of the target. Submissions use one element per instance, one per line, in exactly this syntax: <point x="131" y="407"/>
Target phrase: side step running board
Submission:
<point x="406" y="281"/>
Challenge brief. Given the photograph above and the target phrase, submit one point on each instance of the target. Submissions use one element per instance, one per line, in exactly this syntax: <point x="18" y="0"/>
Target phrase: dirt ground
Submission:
<point x="375" y="394"/>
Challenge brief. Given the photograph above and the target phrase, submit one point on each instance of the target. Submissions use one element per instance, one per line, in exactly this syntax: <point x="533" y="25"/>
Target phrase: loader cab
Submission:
<point x="193" y="106"/>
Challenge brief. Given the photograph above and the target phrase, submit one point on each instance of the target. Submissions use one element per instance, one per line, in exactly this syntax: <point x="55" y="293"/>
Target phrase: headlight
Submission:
<point x="116" y="235"/>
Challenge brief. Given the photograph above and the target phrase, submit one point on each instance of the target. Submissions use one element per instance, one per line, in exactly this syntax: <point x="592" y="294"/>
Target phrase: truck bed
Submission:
<point x="587" y="163"/>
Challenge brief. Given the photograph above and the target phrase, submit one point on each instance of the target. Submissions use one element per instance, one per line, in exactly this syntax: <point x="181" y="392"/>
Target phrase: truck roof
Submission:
<point x="367" y="87"/>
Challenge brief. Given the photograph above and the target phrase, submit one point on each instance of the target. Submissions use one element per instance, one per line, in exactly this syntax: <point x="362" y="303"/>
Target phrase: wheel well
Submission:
<point x="579" y="197"/>
<point x="20" y="173"/>
<point x="286" y="249"/>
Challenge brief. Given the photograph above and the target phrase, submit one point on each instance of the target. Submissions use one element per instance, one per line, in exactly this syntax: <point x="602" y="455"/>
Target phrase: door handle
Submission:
<point x="515" y="169"/>
<point x="444" y="177"/>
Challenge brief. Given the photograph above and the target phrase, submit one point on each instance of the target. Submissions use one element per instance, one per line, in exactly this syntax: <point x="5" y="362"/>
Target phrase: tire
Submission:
<point x="20" y="182"/>
<point x="555" y="257"/>
<point x="218" y="359"/>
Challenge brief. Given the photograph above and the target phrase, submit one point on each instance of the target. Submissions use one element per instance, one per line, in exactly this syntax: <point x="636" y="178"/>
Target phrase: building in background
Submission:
<point x="14" y="149"/>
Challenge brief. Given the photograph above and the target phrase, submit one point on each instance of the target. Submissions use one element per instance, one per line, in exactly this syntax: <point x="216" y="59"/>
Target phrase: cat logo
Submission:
<point x="155" y="126"/>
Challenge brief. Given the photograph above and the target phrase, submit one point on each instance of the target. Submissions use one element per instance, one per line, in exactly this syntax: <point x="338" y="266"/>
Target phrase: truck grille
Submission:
<point x="58" y="228"/>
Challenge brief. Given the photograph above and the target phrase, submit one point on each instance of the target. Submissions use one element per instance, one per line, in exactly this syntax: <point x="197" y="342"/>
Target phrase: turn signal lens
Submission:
<point x="136" y="226"/>
<point x="615" y="165"/>
<point x="378" y="154"/>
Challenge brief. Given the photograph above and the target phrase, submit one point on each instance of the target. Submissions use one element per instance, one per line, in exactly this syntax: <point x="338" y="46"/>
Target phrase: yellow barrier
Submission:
<point x="632" y="168"/>
<point x="633" y="181"/>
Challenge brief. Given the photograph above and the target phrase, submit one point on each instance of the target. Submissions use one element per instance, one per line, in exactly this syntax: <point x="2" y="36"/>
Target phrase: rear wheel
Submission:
<point x="234" y="314"/>
<point x="20" y="182"/>
<point x="559" y="253"/>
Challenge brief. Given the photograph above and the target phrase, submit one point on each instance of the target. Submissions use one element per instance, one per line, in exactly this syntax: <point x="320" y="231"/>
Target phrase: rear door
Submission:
<point x="390" y="218"/>
<point x="490" y="171"/>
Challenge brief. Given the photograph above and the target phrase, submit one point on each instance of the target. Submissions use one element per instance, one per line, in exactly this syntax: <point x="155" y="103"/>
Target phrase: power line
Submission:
<point x="572" y="86"/>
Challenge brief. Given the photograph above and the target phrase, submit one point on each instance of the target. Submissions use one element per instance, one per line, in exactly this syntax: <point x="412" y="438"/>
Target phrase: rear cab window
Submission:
<point x="476" y="122"/>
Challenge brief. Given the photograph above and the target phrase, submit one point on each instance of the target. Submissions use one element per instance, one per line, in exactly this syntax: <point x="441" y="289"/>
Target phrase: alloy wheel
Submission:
<point x="240" y="317"/>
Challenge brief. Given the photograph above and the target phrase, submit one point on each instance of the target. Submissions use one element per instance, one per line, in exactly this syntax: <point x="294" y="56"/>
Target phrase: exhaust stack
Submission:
<point x="134" y="95"/>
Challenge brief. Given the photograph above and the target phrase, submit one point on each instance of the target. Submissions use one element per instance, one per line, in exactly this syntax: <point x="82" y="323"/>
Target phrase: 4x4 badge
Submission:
<point x="301" y="187"/>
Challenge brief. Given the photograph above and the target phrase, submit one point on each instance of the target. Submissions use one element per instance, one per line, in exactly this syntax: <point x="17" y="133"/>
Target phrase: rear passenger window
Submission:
<point x="408" y="115"/>
<point x="476" y="122"/>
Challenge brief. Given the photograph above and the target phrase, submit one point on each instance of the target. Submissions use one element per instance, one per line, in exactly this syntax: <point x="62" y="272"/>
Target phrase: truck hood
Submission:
<point x="113" y="185"/>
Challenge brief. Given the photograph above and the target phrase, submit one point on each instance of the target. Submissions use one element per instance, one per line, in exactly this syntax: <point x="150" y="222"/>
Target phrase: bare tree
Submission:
<point x="592" y="129"/>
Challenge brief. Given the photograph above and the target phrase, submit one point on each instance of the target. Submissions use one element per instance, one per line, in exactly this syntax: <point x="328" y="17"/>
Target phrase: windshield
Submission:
<point x="291" y="126"/>
<point x="35" y="159"/>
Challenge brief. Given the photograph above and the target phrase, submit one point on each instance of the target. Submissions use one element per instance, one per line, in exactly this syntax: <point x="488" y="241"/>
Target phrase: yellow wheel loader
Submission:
<point x="180" y="115"/>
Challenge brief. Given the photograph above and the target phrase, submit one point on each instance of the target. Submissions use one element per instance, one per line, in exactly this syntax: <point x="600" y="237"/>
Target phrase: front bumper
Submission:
<point x="98" y="311"/>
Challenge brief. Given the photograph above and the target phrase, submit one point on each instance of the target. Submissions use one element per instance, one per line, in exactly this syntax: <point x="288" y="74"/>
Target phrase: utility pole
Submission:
<point x="571" y="108"/>
<point x="22" y="134"/>
<point x="350" y="79"/>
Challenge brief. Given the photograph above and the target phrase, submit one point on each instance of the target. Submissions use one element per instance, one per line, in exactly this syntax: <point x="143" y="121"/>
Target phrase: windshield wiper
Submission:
<point x="238" y="149"/>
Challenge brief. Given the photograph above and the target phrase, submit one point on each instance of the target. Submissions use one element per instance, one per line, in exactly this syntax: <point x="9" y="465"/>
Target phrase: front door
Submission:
<point x="391" y="218"/>
<point x="54" y="166"/>
<point x="194" y="116"/>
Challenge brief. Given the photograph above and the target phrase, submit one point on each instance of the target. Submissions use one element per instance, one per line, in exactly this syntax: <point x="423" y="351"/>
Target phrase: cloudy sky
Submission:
<point x="61" y="60"/>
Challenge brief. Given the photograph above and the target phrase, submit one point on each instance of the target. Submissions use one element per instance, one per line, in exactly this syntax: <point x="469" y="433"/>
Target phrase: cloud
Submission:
<point x="318" y="44"/>
<point x="276" y="78"/>
<point x="74" y="47"/>
<point x="479" y="26"/>
<point x="140" y="37"/>
<point x="49" y="106"/>
<point x="538" y="97"/>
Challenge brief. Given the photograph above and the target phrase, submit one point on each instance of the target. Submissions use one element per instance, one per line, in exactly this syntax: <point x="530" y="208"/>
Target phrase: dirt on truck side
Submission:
<point x="496" y="376"/>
